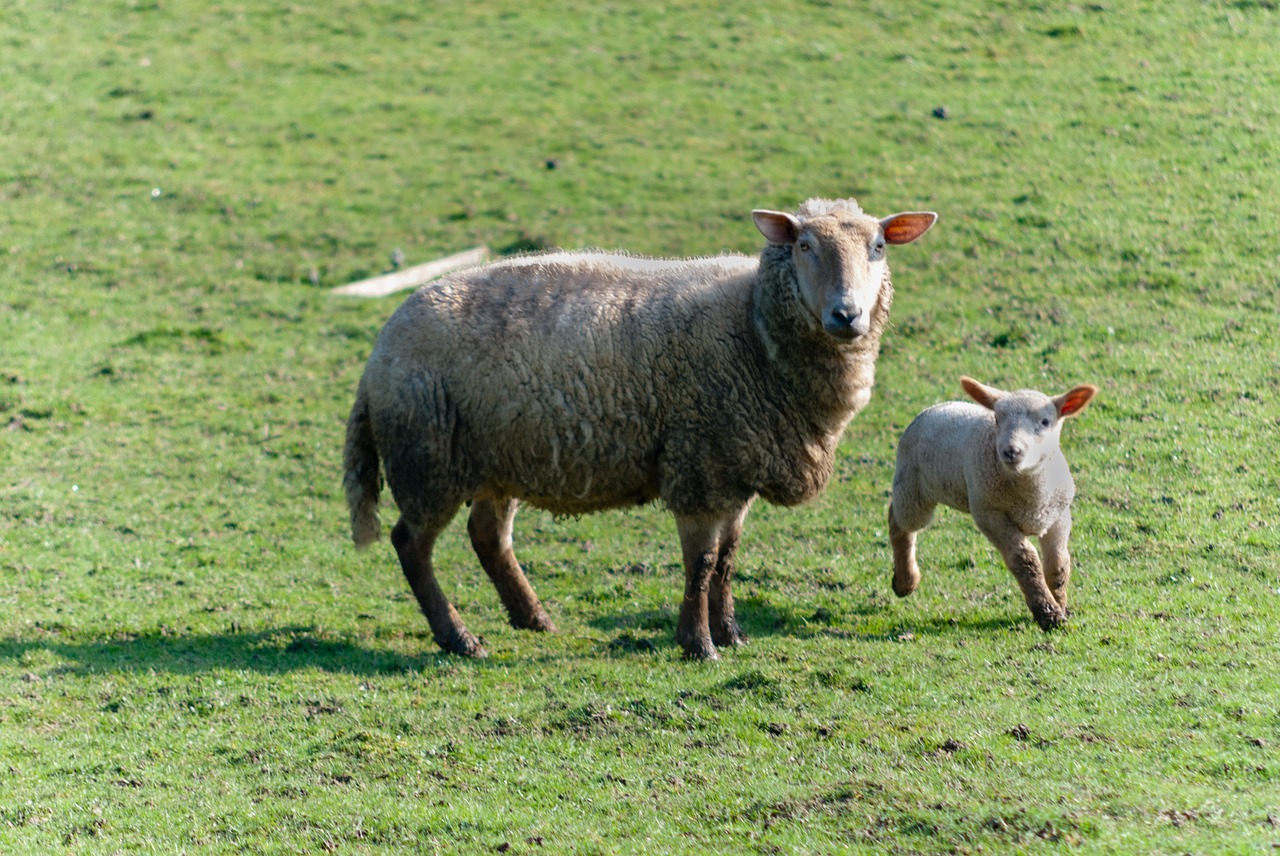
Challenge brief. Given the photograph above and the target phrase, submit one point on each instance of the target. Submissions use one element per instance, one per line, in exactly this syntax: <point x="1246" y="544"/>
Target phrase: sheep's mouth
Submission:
<point x="842" y="334"/>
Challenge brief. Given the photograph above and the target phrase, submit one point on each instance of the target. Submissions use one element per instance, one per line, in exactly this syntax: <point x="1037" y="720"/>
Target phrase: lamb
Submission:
<point x="582" y="381"/>
<point x="1002" y="463"/>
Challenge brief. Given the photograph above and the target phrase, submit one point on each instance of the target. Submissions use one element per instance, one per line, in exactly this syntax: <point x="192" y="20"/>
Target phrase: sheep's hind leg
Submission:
<point x="413" y="545"/>
<point x="906" y="573"/>
<point x="490" y="529"/>
<point x="700" y="543"/>
<point x="723" y="623"/>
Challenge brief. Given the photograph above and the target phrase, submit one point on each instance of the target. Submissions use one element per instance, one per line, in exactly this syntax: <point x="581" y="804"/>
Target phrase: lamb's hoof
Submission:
<point x="701" y="649"/>
<point x="729" y="635"/>
<point x="464" y="644"/>
<point x="904" y="585"/>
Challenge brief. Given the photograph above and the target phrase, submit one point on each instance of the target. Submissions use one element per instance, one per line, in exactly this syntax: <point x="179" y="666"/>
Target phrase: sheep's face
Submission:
<point x="841" y="270"/>
<point x="1028" y="423"/>
<point x="839" y="259"/>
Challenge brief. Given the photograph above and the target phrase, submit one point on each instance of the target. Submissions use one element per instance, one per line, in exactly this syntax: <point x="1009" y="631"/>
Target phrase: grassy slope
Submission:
<point x="194" y="654"/>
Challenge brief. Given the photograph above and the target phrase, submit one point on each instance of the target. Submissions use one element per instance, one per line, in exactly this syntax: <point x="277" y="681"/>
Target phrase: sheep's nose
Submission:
<point x="844" y="318"/>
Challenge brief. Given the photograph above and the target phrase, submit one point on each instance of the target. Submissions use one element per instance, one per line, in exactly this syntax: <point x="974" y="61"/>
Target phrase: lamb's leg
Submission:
<point x="724" y="625"/>
<point x="906" y="573"/>
<point x="700" y="543"/>
<point x="1057" y="559"/>
<point x="413" y="545"/>
<point x="1024" y="563"/>
<point x="490" y="529"/>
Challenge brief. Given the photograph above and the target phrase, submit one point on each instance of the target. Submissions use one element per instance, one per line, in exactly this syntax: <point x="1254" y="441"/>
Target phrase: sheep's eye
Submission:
<point x="804" y="247"/>
<point x="1045" y="422"/>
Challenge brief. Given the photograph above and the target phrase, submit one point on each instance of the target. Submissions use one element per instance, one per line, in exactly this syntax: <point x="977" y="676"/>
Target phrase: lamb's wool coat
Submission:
<point x="582" y="381"/>
<point x="1000" y="461"/>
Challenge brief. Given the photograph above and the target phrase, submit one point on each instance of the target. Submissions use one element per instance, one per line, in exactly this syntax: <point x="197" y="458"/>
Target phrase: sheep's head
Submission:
<point x="839" y="257"/>
<point x="1028" y="423"/>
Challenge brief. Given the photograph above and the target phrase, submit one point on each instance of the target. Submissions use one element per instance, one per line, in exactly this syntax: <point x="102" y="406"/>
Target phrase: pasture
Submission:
<point x="194" y="658"/>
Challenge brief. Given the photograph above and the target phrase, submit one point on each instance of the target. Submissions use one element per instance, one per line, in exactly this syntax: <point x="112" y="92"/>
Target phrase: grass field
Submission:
<point x="194" y="658"/>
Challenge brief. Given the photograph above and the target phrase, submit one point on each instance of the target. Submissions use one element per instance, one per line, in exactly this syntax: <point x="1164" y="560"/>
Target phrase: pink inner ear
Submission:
<point x="905" y="228"/>
<point x="1075" y="400"/>
<point x="778" y="228"/>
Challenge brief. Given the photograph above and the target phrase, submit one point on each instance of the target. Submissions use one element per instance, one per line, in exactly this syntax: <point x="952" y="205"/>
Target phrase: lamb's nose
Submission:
<point x="1012" y="454"/>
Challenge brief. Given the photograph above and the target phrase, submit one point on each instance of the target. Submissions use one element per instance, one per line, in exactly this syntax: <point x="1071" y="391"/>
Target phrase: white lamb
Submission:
<point x="1000" y="462"/>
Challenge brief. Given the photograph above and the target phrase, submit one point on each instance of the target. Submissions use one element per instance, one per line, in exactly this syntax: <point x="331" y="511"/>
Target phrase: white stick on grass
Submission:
<point x="380" y="286"/>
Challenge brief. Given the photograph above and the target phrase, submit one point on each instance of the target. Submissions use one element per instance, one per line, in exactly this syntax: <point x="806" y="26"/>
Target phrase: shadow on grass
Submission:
<point x="292" y="648"/>
<point x="756" y="618"/>
<point x="889" y="630"/>
<point x="760" y="618"/>
<point x="272" y="651"/>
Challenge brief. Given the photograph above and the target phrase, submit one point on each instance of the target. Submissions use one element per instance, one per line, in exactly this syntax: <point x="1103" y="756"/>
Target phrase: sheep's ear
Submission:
<point x="906" y="227"/>
<point x="1074" y="400"/>
<point x="985" y="395"/>
<point x="777" y="227"/>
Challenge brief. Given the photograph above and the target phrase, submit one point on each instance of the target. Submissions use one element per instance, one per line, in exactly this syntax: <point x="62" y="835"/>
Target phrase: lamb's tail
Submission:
<point x="363" y="476"/>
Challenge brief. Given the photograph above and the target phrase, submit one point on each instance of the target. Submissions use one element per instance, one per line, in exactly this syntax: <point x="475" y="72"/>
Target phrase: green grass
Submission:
<point x="193" y="657"/>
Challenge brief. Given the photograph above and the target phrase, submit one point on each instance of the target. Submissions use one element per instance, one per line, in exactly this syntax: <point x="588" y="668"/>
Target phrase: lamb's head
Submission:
<point x="1028" y="423"/>
<point x="838" y="253"/>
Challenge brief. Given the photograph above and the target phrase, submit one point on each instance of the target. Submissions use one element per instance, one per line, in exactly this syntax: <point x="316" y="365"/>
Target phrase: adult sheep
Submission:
<point x="583" y="381"/>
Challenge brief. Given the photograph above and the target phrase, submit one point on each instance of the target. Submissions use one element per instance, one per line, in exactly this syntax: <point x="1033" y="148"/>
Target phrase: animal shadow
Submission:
<point x="272" y="651"/>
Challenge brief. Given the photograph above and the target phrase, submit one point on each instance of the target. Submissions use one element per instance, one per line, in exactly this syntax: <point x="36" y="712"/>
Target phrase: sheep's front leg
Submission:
<point x="1057" y="559"/>
<point x="700" y="543"/>
<point x="724" y="624"/>
<point x="490" y="526"/>
<point x="1024" y="563"/>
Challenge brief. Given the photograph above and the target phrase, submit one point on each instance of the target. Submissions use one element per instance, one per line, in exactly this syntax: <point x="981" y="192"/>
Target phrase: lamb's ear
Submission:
<point x="985" y="395"/>
<point x="1074" y="400"/>
<point x="906" y="227"/>
<point x="777" y="227"/>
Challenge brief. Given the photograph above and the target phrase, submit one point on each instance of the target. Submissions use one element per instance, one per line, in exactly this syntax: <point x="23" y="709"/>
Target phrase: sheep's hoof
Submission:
<point x="729" y="635"/>
<point x="701" y="649"/>
<point x="540" y="622"/>
<point x="464" y="644"/>
<point x="1051" y="619"/>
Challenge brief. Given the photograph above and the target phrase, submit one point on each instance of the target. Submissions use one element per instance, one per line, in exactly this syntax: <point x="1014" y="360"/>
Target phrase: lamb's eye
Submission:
<point x="1045" y="422"/>
<point x="804" y="246"/>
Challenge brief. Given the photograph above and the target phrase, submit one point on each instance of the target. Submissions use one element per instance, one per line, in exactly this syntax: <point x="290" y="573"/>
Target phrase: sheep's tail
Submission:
<point x="363" y="476"/>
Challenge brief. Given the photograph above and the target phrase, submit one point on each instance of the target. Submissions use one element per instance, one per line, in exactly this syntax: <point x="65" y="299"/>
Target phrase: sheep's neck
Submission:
<point x="829" y="381"/>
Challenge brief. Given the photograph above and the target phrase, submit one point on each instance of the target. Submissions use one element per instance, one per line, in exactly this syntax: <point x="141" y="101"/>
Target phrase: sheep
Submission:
<point x="1000" y="461"/>
<point x="582" y="381"/>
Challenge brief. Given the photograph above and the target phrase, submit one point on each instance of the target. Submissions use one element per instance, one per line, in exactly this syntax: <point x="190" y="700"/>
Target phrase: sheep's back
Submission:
<point x="558" y="377"/>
